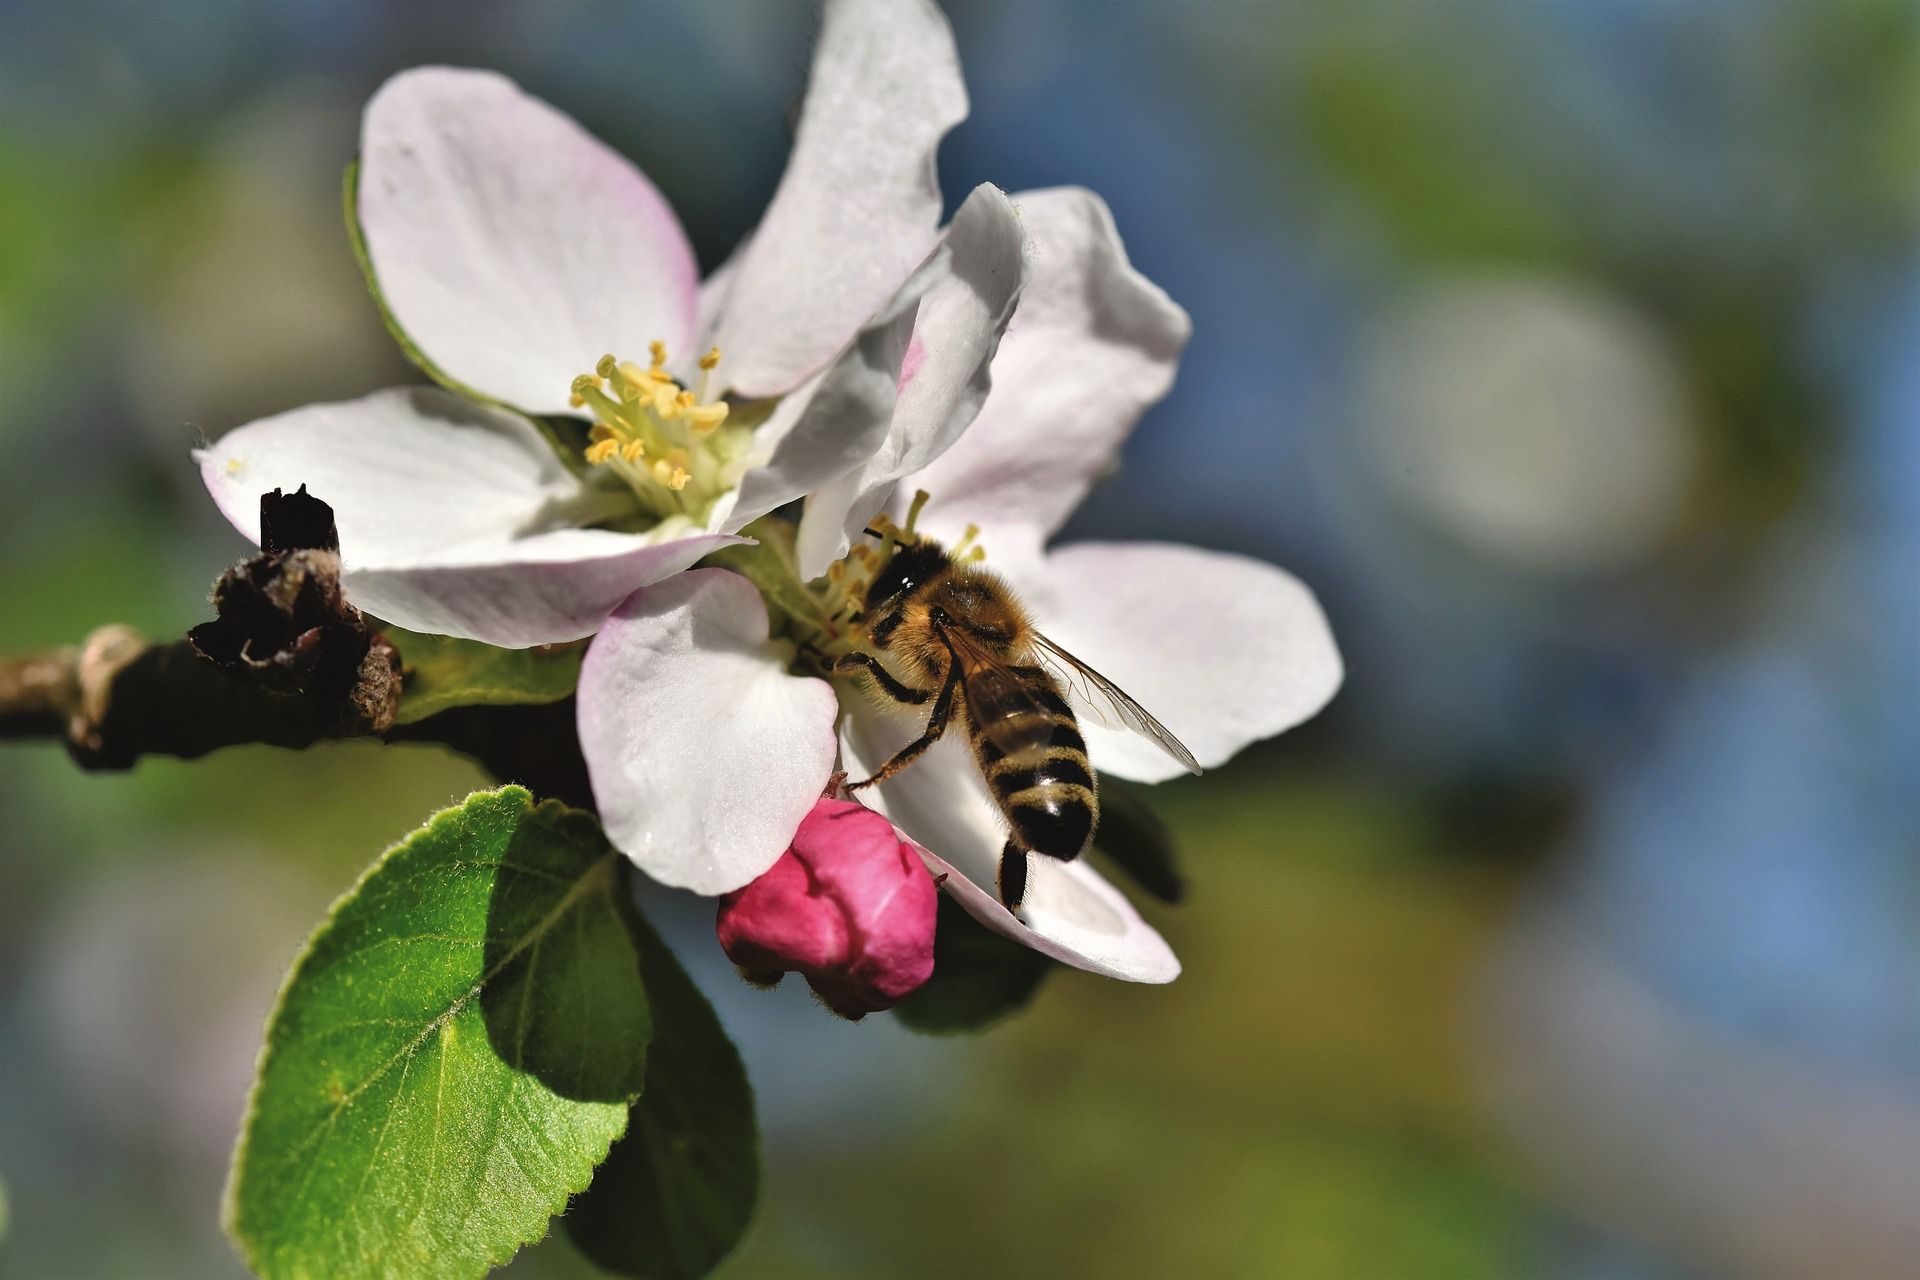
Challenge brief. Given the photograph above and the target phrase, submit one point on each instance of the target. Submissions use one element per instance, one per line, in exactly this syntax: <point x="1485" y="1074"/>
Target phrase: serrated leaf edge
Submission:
<point x="229" y="1197"/>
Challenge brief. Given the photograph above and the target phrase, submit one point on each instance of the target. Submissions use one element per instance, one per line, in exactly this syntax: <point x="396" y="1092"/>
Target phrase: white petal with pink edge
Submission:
<point x="971" y="286"/>
<point x="857" y="207"/>
<point x="703" y="752"/>
<point x="1070" y="913"/>
<point x="1222" y="649"/>
<point x="1093" y="344"/>
<point x="831" y="423"/>
<point x="454" y="517"/>
<point x="511" y="246"/>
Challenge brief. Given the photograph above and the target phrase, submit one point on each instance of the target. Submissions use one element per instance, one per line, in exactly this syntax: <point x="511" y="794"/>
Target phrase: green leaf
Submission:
<point x="1138" y="842"/>
<point x="441" y="672"/>
<point x="978" y="977"/>
<point x="676" y="1193"/>
<point x="453" y="1053"/>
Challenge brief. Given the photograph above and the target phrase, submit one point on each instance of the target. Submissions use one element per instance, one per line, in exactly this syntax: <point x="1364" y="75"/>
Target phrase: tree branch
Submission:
<point x="287" y="662"/>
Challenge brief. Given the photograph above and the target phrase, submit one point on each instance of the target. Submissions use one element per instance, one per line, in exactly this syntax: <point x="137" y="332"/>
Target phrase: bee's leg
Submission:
<point x="1013" y="875"/>
<point x="936" y="725"/>
<point x="882" y="677"/>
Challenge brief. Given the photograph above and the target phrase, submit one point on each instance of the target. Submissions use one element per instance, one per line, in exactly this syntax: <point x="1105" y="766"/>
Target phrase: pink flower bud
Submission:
<point x="849" y="905"/>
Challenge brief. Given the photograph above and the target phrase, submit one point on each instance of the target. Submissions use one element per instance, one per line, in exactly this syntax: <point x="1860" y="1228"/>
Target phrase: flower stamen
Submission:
<point x="656" y="433"/>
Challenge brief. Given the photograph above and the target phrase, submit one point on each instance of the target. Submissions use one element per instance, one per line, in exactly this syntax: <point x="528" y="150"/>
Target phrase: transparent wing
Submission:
<point x="996" y="695"/>
<point x="1109" y="702"/>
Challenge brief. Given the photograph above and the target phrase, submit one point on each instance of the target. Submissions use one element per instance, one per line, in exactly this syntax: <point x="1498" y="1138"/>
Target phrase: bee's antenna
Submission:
<point x="872" y="532"/>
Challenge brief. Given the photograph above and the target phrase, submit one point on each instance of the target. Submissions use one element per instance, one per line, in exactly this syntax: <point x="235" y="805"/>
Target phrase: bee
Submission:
<point x="962" y="641"/>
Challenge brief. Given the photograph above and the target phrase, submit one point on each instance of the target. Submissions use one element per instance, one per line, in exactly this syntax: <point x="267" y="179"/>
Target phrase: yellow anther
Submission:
<point x="584" y="383"/>
<point x="678" y="480"/>
<point x="709" y="360"/>
<point x="966" y="541"/>
<point x="976" y="555"/>
<point x="235" y="466"/>
<point x="601" y="450"/>
<point x="705" y="418"/>
<point x="576" y="401"/>
<point x="600" y="431"/>
<point x="665" y="397"/>
<point x="642" y="377"/>
<point x="607" y="367"/>
<point x="658" y="350"/>
<point x="633" y="451"/>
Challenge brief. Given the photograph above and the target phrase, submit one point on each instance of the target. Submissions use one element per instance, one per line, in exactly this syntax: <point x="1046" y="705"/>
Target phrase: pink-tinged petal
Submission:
<point x="715" y="291"/>
<point x="849" y="906"/>
<point x="511" y="246"/>
<point x="1222" y="649"/>
<point x="971" y="286"/>
<point x="1093" y="345"/>
<point x="545" y="589"/>
<point x="454" y="517"/>
<point x="830" y="424"/>
<point x="703" y="752"/>
<point x="1070" y="913"/>
<point x="856" y="210"/>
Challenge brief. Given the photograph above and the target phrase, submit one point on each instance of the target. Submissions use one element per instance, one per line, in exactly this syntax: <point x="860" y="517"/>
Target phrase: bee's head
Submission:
<point x="907" y="568"/>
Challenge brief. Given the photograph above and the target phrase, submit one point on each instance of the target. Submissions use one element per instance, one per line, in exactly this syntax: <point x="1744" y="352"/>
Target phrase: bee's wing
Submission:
<point x="995" y="692"/>
<point x="1109" y="702"/>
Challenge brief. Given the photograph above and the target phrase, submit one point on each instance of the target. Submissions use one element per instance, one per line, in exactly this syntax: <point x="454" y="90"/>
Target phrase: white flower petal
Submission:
<point x="832" y="423"/>
<point x="856" y="210"/>
<point x="453" y="516"/>
<point x="411" y="472"/>
<point x="1093" y="345"/>
<point x="971" y="283"/>
<point x="1071" y="913"/>
<point x="513" y="247"/>
<point x="715" y="291"/>
<point x="703" y="752"/>
<point x="1222" y="649"/>
<point x="544" y="589"/>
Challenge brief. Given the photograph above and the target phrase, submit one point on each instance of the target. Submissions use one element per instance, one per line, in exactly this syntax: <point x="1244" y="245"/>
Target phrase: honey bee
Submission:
<point x="962" y="641"/>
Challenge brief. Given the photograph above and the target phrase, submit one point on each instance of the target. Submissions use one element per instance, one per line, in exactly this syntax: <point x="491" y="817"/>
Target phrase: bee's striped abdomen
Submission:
<point x="1033" y="757"/>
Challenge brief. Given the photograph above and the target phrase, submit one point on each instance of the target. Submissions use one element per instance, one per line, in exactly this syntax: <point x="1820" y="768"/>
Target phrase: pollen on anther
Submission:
<point x="658" y="350"/>
<point x="633" y="451"/>
<point x="705" y="418"/>
<point x="602" y="450"/>
<point x="711" y="359"/>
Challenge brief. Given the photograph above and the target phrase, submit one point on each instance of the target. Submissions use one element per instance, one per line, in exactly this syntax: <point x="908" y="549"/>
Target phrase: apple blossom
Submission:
<point x="526" y="267"/>
<point x="1224" y="649"/>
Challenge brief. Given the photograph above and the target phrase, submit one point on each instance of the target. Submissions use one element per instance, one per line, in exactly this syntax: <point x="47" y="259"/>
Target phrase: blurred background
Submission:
<point x="1569" y="350"/>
